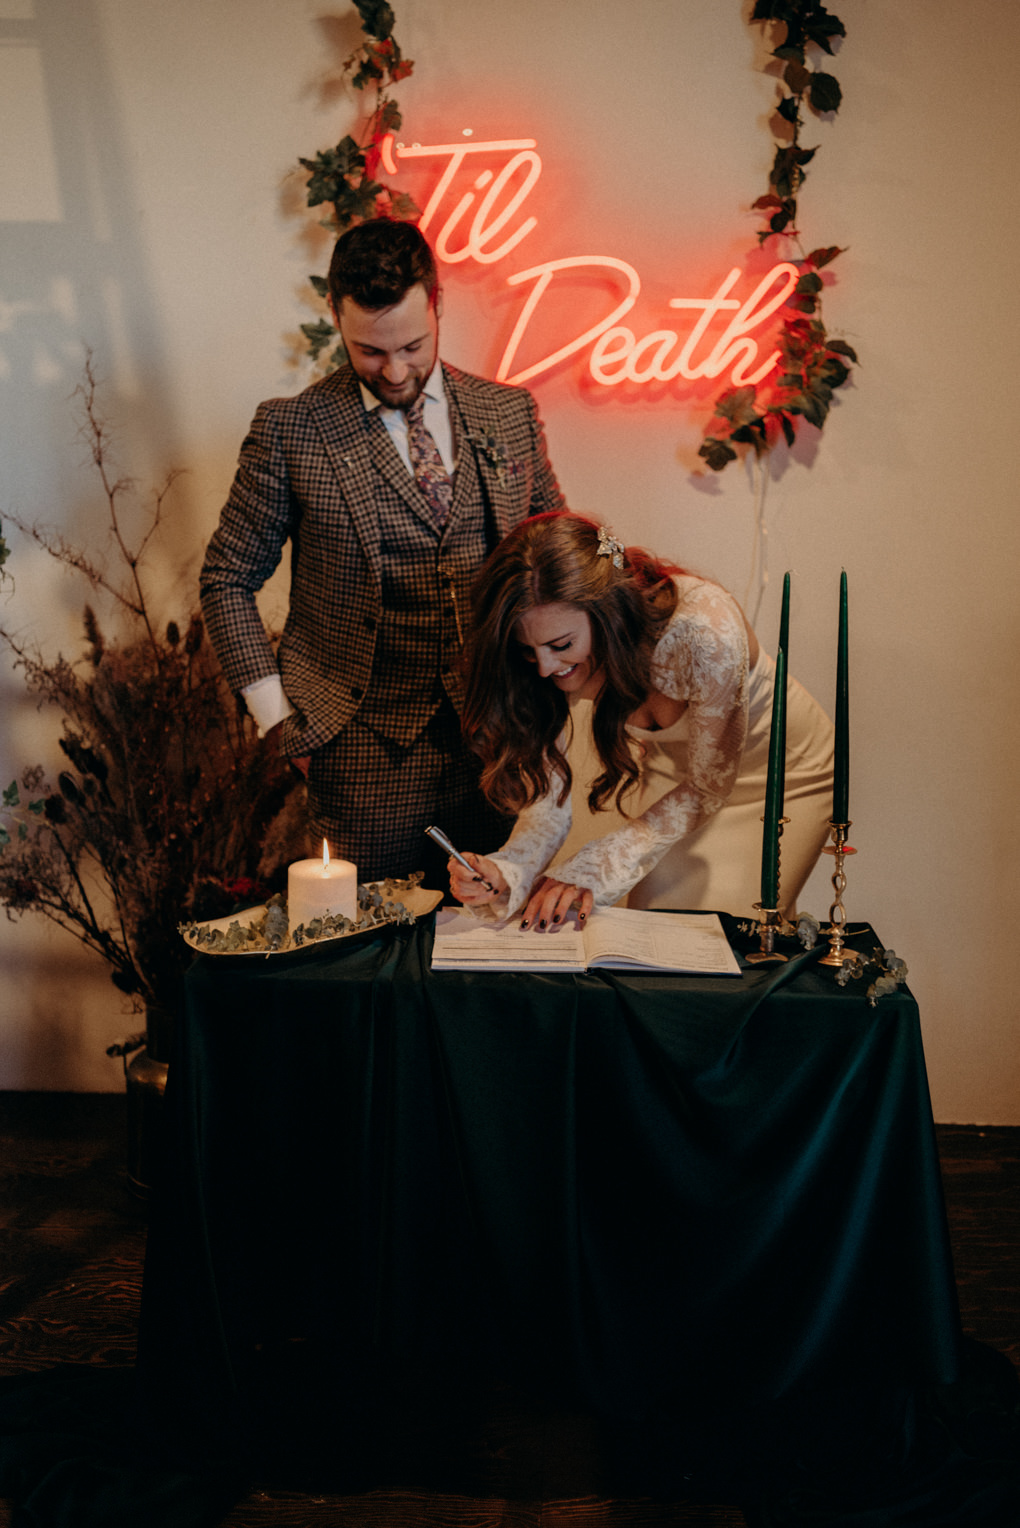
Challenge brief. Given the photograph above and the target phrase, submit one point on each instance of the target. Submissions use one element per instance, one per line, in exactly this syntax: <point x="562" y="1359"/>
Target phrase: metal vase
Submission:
<point x="146" y="1074"/>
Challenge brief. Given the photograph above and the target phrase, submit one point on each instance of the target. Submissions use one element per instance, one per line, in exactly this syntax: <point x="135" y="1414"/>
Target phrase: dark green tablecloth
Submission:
<point x="633" y="1192"/>
<point x="696" y="1225"/>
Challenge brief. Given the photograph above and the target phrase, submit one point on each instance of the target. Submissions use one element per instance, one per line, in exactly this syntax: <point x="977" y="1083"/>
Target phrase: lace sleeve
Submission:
<point x="701" y="659"/>
<point x="537" y="834"/>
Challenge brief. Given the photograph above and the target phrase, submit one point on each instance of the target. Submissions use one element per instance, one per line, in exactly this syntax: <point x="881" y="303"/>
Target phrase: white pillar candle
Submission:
<point x="316" y="887"/>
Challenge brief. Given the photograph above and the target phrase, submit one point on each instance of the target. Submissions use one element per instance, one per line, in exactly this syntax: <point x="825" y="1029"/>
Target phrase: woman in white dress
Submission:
<point x="681" y="702"/>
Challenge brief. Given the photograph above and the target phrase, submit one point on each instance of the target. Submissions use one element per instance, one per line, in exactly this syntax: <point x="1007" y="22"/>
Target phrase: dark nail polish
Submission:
<point x="557" y="918"/>
<point x="524" y="923"/>
<point x="541" y="923"/>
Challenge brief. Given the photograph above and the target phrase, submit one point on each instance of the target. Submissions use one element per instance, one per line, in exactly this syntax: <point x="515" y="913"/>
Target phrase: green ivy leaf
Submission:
<point x="390" y="119"/>
<point x="808" y="283"/>
<point x="716" y="453"/>
<point x="328" y="171"/>
<point x="815" y="409"/>
<point x="5" y="837"/>
<point x="820" y="257"/>
<point x="737" y="405"/>
<point x="797" y="77"/>
<point x="38" y="807"/>
<point x="789" y="433"/>
<point x="824" y="92"/>
<point x="377" y="18"/>
<point x="765" y="201"/>
<point x="403" y="207"/>
<point x="821" y="26"/>
<point x="320" y="284"/>
<point x="364" y="197"/>
<point x="318" y="335"/>
<point x="368" y="72"/>
<point x="751" y="434"/>
<point x="834" y="372"/>
<point x="788" y="110"/>
<point x="12" y="796"/>
<point x="842" y="348"/>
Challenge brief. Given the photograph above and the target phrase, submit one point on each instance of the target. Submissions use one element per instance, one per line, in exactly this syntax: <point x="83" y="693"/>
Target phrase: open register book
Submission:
<point x="623" y="938"/>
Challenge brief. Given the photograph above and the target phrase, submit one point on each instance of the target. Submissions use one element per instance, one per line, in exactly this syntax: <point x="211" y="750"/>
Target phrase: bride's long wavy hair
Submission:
<point x="512" y="718"/>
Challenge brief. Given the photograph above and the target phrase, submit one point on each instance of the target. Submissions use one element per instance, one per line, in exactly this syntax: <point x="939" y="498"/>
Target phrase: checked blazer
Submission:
<point x="320" y="471"/>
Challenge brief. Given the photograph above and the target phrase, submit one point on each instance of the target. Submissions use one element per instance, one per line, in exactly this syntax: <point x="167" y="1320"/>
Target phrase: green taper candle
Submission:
<point x="841" y="772"/>
<point x="784" y="648"/>
<point x="773" y="791"/>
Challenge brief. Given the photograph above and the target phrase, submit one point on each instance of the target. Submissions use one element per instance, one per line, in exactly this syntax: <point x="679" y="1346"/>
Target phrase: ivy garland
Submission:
<point x="346" y="176"/>
<point x="813" y="364"/>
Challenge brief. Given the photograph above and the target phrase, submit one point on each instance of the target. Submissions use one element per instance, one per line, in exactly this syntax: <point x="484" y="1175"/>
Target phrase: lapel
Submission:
<point x="358" y="445"/>
<point x="480" y="430"/>
<point x="339" y="415"/>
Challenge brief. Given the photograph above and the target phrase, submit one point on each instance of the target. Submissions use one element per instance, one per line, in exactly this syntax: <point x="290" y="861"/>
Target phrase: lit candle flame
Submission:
<point x="325" y="856"/>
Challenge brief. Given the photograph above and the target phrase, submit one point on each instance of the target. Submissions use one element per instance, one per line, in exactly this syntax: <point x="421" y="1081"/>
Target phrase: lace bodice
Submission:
<point x="700" y="660"/>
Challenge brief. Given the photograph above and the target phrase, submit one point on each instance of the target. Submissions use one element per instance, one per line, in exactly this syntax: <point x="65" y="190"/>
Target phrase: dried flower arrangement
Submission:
<point x="168" y="809"/>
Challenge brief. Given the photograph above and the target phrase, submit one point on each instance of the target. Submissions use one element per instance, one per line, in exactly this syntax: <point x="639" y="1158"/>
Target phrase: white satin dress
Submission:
<point x="692" y="835"/>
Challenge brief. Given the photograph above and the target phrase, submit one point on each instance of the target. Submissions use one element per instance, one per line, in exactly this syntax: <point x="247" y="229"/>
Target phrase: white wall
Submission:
<point x="146" y="210"/>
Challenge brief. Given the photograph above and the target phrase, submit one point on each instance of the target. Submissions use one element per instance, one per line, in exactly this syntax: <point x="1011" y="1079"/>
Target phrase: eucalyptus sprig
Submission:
<point x="347" y="176"/>
<point x="813" y="364"/>
<point x="887" y="968"/>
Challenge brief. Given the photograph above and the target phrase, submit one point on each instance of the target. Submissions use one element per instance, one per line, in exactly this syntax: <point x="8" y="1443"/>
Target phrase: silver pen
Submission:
<point x="439" y="837"/>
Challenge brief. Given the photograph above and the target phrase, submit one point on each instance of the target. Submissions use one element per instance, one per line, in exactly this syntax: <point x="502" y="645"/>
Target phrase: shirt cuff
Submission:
<point x="267" y="704"/>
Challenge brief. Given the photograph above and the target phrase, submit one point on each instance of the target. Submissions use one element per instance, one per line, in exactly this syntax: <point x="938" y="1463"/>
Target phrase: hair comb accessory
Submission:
<point x="609" y="546"/>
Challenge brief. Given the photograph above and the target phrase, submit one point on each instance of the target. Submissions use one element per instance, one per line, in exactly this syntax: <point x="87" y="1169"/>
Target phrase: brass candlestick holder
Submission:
<point x="771" y="918"/>
<point x="839" y="848"/>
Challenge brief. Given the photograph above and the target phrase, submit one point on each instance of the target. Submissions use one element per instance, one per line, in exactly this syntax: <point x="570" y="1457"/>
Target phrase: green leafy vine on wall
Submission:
<point x="813" y="364"/>
<point x="347" y="177"/>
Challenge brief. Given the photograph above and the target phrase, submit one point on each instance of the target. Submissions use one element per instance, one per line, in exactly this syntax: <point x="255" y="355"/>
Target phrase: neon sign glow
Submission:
<point x="617" y="354"/>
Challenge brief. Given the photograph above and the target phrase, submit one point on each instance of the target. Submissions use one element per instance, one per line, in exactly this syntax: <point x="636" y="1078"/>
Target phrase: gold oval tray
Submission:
<point x="419" y="901"/>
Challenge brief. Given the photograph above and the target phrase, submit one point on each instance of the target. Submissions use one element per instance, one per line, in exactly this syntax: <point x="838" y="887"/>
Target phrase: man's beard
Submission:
<point x="399" y="397"/>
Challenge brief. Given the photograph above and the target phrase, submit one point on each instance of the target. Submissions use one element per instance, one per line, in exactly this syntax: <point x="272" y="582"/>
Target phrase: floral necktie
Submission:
<point x="429" y="473"/>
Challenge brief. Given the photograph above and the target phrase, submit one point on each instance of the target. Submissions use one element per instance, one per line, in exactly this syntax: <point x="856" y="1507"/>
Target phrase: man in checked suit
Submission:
<point x="392" y="478"/>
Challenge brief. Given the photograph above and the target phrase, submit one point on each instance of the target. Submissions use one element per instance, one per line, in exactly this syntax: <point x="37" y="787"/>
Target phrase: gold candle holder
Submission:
<point x="770" y="921"/>
<point x="839" y="848"/>
<point x="771" y="918"/>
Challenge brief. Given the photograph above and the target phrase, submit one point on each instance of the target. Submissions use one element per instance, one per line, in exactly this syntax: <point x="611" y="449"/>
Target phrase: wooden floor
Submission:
<point x="72" y="1241"/>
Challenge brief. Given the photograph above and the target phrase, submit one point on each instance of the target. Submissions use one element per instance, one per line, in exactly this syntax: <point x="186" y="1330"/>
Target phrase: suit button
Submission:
<point x="356" y="692"/>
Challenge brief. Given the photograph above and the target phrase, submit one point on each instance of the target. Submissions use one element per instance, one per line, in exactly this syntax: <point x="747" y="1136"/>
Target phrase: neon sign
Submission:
<point x="616" y="353"/>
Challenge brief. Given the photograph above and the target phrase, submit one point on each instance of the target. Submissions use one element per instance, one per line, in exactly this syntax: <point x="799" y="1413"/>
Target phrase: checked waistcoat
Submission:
<point x="427" y="571"/>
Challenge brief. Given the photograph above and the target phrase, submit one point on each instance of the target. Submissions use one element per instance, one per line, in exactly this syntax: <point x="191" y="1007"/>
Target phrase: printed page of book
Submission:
<point x="463" y="943"/>
<point x="691" y="944"/>
<point x="617" y="937"/>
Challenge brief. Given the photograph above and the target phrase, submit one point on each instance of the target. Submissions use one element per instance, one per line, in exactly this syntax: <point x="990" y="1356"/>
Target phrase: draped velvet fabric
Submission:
<point x="640" y="1193"/>
<point x="704" y="1216"/>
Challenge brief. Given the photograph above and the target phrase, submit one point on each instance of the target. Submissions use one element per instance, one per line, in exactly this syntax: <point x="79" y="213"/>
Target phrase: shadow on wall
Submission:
<point x="72" y="267"/>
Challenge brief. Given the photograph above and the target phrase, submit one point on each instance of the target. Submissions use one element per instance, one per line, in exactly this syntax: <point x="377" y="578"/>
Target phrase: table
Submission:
<point x="642" y="1194"/>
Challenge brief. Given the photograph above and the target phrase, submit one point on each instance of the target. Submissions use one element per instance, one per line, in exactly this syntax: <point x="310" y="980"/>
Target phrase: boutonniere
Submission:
<point x="496" y="453"/>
